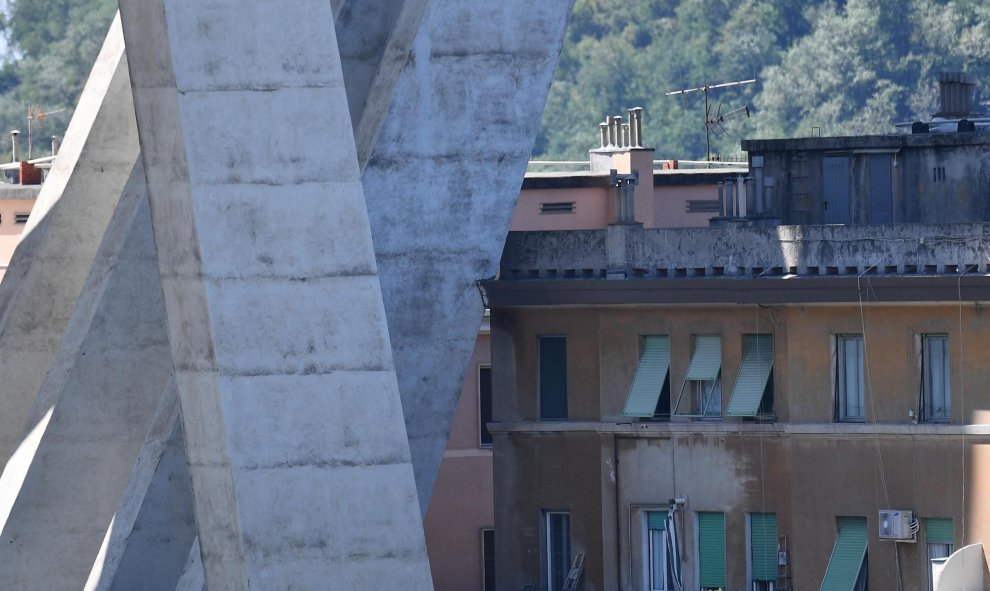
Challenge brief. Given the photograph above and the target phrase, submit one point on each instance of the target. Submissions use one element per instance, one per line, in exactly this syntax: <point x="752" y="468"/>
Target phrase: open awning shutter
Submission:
<point x="650" y="375"/>
<point x="938" y="531"/>
<point x="763" y="543"/>
<point x="711" y="549"/>
<point x="847" y="555"/>
<point x="706" y="360"/>
<point x="753" y="375"/>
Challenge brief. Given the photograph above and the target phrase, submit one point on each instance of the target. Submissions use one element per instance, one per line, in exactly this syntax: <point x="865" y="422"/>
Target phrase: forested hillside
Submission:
<point x="52" y="45"/>
<point x="845" y="66"/>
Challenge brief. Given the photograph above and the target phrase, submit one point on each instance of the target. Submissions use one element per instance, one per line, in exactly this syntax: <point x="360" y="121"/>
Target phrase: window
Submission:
<point x="938" y="539"/>
<point x="661" y="564"/>
<point x="553" y="378"/>
<point x="488" y="559"/>
<point x="703" y="378"/>
<point x="753" y="391"/>
<point x="935" y="378"/>
<point x="558" y="207"/>
<point x="763" y="551"/>
<point x="848" y="566"/>
<point x="557" y="535"/>
<point x="711" y="550"/>
<point x="649" y="394"/>
<point x="21" y="218"/>
<point x="849" y="378"/>
<point x="484" y="404"/>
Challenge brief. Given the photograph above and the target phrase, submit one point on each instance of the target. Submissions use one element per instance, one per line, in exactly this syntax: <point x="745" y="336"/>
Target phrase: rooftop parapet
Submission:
<point x="748" y="250"/>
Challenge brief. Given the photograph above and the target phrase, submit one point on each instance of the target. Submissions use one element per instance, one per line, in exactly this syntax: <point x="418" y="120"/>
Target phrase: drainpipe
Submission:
<point x="618" y="512"/>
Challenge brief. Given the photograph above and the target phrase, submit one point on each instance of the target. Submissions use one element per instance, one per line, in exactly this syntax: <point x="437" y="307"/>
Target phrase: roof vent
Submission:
<point x="955" y="90"/>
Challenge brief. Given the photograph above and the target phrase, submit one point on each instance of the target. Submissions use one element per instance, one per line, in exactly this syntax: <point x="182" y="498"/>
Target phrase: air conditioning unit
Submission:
<point x="898" y="525"/>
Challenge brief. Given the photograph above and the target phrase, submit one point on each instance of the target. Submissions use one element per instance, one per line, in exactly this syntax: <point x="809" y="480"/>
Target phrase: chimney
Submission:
<point x="14" y="147"/>
<point x="955" y="92"/>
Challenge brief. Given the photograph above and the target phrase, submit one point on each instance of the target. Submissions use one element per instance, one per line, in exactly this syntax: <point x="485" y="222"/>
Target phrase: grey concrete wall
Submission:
<point x="441" y="187"/>
<point x="66" y="227"/>
<point x="274" y="306"/>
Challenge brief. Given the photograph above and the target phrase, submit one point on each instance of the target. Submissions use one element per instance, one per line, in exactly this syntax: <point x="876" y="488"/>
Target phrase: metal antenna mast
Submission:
<point x="714" y="123"/>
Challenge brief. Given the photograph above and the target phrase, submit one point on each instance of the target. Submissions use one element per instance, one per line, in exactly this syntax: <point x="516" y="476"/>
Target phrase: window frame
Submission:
<point x="548" y="548"/>
<point x="840" y="372"/>
<point x="701" y="392"/>
<point x="926" y="402"/>
<point x="647" y="552"/>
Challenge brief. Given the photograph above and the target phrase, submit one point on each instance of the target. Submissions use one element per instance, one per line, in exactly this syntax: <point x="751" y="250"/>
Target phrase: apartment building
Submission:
<point x="793" y="396"/>
<point x="460" y="524"/>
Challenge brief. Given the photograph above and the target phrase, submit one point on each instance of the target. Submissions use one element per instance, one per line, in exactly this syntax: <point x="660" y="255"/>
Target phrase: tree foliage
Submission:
<point x="846" y="67"/>
<point x="52" y="45"/>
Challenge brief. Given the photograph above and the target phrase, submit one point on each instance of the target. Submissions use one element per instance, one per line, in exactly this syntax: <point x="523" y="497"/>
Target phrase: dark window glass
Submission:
<point x="485" y="403"/>
<point x="488" y="550"/>
<point x="553" y="378"/>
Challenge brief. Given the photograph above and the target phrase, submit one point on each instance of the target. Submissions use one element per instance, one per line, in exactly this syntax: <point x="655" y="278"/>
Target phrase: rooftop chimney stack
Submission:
<point x="14" y="147"/>
<point x="955" y="91"/>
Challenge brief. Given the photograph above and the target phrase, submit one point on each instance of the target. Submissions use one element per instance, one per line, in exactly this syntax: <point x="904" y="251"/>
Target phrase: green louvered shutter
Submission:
<point x="706" y="359"/>
<point x="763" y="545"/>
<point x="753" y="375"/>
<point x="711" y="549"/>
<point x="847" y="555"/>
<point x="650" y="375"/>
<point x="938" y="531"/>
<point x="656" y="520"/>
<point x="553" y="378"/>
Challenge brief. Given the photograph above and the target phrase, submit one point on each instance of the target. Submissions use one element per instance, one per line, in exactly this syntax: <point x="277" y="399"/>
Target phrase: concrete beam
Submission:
<point x="375" y="39"/>
<point x="60" y="489"/>
<point x="441" y="187"/>
<point x="292" y="418"/>
<point x="148" y="544"/>
<point x="68" y="223"/>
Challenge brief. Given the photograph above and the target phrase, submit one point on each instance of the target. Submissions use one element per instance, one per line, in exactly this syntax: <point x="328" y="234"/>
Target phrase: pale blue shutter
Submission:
<point x="753" y="375"/>
<point x="847" y="555"/>
<point x="650" y="375"/>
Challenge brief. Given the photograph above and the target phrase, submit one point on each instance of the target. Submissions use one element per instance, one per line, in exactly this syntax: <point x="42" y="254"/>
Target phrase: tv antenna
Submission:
<point x="35" y="113"/>
<point x="714" y="121"/>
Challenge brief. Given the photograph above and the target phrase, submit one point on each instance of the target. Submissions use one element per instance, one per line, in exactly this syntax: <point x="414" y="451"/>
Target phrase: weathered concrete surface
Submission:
<point x="192" y="575"/>
<point x="148" y="544"/>
<point x="441" y="187"/>
<point x="754" y="250"/>
<point x="293" y="424"/>
<point x="375" y="39"/>
<point x="60" y="489"/>
<point x="48" y="269"/>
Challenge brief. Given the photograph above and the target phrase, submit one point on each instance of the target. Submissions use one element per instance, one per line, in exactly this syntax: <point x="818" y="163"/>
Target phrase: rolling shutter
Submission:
<point x="753" y="375"/>
<point x="706" y="360"/>
<point x="847" y="555"/>
<point x="711" y="549"/>
<point x="650" y="375"/>
<point x="938" y="531"/>
<point x="763" y="546"/>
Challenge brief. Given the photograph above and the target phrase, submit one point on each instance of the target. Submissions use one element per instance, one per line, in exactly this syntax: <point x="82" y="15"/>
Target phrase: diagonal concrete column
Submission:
<point x="70" y="218"/>
<point x="60" y="489"/>
<point x="148" y="544"/>
<point x="293" y="425"/>
<point x="441" y="187"/>
<point x="375" y="38"/>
